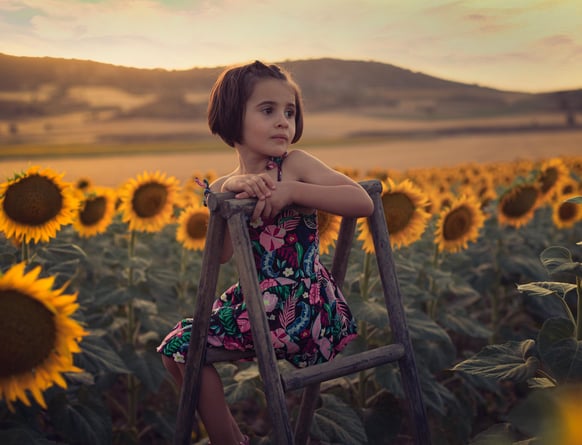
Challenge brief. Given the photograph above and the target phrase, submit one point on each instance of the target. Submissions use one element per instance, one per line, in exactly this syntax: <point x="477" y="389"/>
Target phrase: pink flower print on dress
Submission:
<point x="314" y="295"/>
<point x="325" y="347"/>
<point x="281" y="340"/>
<point x="243" y="322"/>
<point x="270" y="301"/>
<point x="344" y="342"/>
<point x="232" y="344"/>
<point x="267" y="284"/>
<point x="271" y="282"/>
<point x="272" y="237"/>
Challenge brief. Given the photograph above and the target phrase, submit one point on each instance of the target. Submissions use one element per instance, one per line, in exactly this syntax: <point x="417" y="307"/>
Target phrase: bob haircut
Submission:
<point x="232" y="90"/>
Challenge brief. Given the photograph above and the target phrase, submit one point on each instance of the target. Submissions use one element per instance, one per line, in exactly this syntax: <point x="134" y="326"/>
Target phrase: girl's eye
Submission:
<point x="267" y="110"/>
<point x="290" y="113"/>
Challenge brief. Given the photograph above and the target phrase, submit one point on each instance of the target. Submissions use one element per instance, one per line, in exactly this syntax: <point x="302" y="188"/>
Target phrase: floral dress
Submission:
<point x="309" y="319"/>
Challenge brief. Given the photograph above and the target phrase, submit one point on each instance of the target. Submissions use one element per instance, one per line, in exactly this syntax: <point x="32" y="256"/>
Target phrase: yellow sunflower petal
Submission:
<point x="566" y="213"/>
<point x="459" y="224"/>
<point x="35" y="205"/>
<point x="328" y="230"/>
<point x="552" y="174"/>
<point x="147" y="202"/>
<point x="406" y="216"/>
<point x="26" y="300"/>
<point x="517" y="205"/>
<point x="96" y="211"/>
<point x="193" y="226"/>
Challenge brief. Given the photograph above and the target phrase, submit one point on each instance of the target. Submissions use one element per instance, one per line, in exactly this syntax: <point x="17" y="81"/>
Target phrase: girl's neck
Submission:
<point x="254" y="164"/>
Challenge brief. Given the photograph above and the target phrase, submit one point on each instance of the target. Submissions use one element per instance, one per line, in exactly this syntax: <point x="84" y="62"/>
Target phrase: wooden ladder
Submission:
<point x="234" y="212"/>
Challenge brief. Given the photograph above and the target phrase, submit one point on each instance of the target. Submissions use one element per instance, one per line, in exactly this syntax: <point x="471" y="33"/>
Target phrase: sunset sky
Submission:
<point x="524" y="45"/>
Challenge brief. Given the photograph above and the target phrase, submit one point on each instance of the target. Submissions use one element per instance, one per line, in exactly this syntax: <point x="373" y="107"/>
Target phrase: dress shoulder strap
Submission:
<point x="277" y="161"/>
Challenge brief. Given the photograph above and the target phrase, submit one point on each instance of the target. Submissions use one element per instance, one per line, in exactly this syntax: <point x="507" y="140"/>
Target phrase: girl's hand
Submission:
<point x="250" y="186"/>
<point x="271" y="206"/>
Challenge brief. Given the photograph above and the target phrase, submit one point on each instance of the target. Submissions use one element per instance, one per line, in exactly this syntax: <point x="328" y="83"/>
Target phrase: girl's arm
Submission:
<point x="310" y="183"/>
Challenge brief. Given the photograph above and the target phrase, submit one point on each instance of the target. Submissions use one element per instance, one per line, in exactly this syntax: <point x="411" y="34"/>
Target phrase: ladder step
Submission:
<point x="341" y="365"/>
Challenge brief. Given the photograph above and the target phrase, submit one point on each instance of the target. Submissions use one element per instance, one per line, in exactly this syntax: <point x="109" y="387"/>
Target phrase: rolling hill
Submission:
<point x="47" y="100"/>
<point x="327" y="84"/>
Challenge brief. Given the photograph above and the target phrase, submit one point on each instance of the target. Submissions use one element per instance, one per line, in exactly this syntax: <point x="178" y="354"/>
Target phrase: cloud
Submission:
<point x="460" y="39"/>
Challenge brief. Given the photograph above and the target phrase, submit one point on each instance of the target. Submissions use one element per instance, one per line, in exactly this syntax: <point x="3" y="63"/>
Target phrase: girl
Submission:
<point x="257" y="110"/>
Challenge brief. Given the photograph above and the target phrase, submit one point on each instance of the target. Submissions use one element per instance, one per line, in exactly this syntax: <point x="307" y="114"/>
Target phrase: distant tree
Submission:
<point x="566" y="103"/>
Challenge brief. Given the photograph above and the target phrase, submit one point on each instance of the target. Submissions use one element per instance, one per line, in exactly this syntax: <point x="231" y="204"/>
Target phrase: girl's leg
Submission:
<point x="214" y="411"/>
<point x="212" y="406"/>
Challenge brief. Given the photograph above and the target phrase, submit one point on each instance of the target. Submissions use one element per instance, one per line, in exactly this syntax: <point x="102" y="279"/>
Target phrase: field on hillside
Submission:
<point x="103" y="142"/>
<point x="112" y="168"/>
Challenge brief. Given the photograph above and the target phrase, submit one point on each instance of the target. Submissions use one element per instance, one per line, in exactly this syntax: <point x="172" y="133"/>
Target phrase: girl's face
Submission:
<point x="269" y="118"/>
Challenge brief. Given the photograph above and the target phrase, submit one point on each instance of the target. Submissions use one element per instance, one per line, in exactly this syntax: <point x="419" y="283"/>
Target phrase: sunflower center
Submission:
<point x="28" y="333"/>
<point x="457" y="224"/>
<point x="548" y="179"/>
<point x="33" y="201"/>
<point x="567" y="211"/>
<point x="521" y="202"/>
<point x="93" y="211"/>
<point x="149" y="199"/>
<point x="398" y="209"/>
<point x="83" y="184"/>
<point x="197" y="226"/>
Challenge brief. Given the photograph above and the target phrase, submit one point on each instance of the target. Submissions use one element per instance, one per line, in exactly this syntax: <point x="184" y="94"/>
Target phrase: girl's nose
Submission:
<point x="282" y="121"/>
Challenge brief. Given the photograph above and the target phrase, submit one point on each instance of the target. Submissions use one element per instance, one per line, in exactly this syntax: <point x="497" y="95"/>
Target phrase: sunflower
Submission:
<point x="96" y="211"/>
<point x="442" y="200"/>
<point x="569" y="186"/>
<point x="517" y="205"/>
<point x="552" y="174"/>
<point x="147" y="202"/>
<point x="459" y="224"/>
<point x="83" y="183"/>
<point x="328" y="228"/>
<point x="404" y="208"/>
<point x="566" y="213"/>
<point x="567" y="428"/>
<point x="34" y="205"/>
<point x="193" y="226"/>
<point x="37" y="335"/>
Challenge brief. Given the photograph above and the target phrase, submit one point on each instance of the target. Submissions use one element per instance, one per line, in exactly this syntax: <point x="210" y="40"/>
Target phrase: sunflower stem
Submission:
<point x="579" y="309"/>
<point x="433" y="304"/>
<point x="495" y="297"/>
<point x="183" y="288"/>
<point x="365" y="279"/>
<point x="25" y="250"/>
<point x="132" y="386"/>
<point x="363" y="329"/>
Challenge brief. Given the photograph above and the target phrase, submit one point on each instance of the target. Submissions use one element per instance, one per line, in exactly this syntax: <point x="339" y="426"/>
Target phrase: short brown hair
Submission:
<point x="232" y="90"/>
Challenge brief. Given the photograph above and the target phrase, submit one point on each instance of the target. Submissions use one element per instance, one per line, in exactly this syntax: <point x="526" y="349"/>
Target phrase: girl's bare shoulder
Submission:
<point x="216" y="185"/>
<point x="303" y="166"/>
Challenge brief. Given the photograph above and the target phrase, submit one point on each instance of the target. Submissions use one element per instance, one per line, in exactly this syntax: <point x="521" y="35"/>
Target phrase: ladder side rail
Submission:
<point x="190" y="391"/>
<point x="393" y="298"/>
<point x="311" y="392"/>
<point x="263" y="345"/>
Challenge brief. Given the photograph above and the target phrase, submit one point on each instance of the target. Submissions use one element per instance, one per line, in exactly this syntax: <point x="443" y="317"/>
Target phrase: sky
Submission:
<point x="518" y="45"/>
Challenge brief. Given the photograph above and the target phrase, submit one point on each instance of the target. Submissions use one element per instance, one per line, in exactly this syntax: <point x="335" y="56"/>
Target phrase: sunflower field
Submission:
<point x="489" y="261"/>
